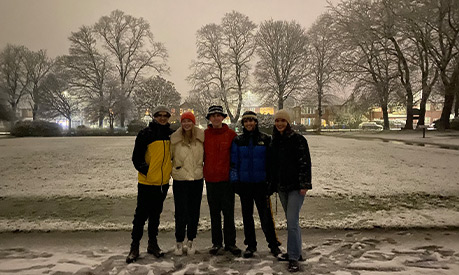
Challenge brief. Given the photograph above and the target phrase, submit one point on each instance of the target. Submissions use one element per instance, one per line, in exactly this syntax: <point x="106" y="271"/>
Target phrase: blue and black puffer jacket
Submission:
<point x="249" y="153"/>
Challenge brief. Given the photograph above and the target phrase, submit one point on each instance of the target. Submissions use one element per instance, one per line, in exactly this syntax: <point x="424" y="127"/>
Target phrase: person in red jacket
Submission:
<point x="220" y="194"/>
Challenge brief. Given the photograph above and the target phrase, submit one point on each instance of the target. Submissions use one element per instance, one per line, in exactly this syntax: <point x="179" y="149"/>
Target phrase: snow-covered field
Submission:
<point x="89" y="183"/>
<point x="101" y="166"/>
<point x="70" y="187"/>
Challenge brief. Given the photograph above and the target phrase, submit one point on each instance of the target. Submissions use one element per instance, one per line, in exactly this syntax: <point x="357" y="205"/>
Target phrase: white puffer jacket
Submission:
<point x="187" y="159"/>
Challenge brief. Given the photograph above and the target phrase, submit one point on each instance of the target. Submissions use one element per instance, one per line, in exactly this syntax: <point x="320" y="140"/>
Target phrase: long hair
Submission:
<point x="189" y="138"/>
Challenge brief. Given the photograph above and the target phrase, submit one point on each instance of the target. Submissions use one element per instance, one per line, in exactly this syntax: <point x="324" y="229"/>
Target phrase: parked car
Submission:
<point x="371" y="125"/>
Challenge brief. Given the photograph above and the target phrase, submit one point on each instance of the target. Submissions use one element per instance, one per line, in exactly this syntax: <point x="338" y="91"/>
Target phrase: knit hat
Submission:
<point x="161" y="108"/>
<point x="284" y="114"/>
<point x="188" y="115"/>
<point x="215" y="109"/>
<point x="249" y="114"/>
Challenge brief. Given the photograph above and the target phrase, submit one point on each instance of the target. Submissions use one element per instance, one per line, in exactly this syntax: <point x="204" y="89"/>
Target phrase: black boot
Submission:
<point x="154" y="249"/>
<point x="248" y="253"/>
<point x="275" y="251"/>
<point x="133" y="253"/>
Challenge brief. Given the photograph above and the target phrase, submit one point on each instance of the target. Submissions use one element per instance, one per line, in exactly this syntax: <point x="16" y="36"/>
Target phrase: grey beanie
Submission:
<point x="161" y="108"/>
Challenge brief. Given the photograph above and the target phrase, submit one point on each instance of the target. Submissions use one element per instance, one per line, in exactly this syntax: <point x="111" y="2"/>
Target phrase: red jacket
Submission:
<point x="217" y="147"/>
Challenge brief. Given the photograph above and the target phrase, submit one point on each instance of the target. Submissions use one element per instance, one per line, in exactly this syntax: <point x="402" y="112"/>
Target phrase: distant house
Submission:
<point x="433" y="112"/>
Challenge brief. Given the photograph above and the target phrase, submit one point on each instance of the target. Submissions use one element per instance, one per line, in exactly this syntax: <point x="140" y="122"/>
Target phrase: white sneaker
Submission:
<point x="191" y="249"/>
<point x="178" y="249"/>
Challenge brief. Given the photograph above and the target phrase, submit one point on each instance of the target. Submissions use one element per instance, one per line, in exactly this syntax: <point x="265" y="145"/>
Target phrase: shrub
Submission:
<point x="36" y="129"/>
<point x="135" y="126"/>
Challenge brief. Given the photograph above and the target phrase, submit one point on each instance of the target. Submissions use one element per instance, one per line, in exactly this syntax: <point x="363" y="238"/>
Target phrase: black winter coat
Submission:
<point x="290" y="162"/>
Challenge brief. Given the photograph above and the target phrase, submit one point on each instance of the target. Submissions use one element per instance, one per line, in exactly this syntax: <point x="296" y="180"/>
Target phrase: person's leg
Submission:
<point x="227" y="200"/>
<point x="247" y="217"/>
<point x="263" y="204"/>
<point x="194" y="207"/>
<point x="179" y="189"/>
<point x="214" y="201"/>
<point x="295" y="202"/>
<point x="140" y="217"/>
<point x="158" y="195"/>
<point x="141" y="213"/>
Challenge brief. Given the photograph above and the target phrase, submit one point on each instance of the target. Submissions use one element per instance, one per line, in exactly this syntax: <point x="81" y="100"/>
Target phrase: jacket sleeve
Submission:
<point x="234" y="162"/>
<point x="304" y="164"/>
<point x="138" y="155"/>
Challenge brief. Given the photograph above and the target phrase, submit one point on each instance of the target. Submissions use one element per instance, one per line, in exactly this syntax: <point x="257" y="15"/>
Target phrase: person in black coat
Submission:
<point x="290" y="177"/>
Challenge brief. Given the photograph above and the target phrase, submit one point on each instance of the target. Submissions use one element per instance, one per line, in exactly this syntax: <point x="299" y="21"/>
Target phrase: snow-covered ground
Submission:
<point x="101" y="166"/>
<point x="63" y="185"/>
<point x="326" y="252"/>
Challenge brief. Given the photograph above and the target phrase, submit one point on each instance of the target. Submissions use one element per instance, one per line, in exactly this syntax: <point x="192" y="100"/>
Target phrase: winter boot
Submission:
<point x="191" y="250"/>
<point x="133" y="253"/>
<point x="275" y="251"/>
<point x="233" y="249"/>
<point x="178" y="249"/>
<point x="293" y="266"/>
<point x="248" y="253"/>
<point x="154" y="249"/>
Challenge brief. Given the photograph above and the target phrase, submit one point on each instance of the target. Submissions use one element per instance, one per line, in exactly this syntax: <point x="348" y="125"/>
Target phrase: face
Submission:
<point x="249" y="124"/>
<point x="281" y="124"/>
<point x="162" y="118"/>
<point x="187" y="124"/>
<point x="216" y="120"/>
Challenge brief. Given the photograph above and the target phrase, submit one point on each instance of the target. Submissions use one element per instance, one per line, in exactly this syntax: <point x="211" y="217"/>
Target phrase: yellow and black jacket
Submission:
<point x="151" y="155"/>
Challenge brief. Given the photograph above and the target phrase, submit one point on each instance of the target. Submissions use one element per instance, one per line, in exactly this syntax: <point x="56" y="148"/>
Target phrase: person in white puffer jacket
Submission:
<point x="187" y="151"/>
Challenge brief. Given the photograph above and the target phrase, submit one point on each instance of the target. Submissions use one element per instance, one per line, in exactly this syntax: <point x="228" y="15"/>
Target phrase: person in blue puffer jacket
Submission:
<point x="248" y="175"/>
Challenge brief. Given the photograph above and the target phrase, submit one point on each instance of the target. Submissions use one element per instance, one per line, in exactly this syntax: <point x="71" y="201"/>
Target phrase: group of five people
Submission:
<point x="252" y="165"/>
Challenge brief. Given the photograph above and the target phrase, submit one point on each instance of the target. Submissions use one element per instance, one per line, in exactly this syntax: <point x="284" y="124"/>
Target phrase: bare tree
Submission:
<point x="444" y="49"/>
<point x="132" y="48"/>
<point x="88" y="71"/>
<point x="38" y="65"/>
<point x="366" y="55"/>
<point x="239" y="38"/>
<point x="156" y="91"/>
<point x="14" y="77"/>
<point x="210" y="70"/>
<point x="56" y="98"/>
<point x="224" y="53"/>
<point x="323" y="57"/>
<point x="281" y="69"/>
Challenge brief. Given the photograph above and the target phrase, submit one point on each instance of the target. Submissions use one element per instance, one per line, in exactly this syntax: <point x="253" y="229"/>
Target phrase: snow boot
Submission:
<point x="154" y="249"/>
<point x="178" y="249"/>
<point x="191" y="250"/>
<point x="133" y="253"/>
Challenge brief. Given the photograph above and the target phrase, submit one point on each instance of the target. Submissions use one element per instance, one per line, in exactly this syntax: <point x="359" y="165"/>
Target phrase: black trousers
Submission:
<point x="150" y="200"/>
<point x="187" y="202"/>
<point x="220" y="197"/>
<point x="263" y="205"/>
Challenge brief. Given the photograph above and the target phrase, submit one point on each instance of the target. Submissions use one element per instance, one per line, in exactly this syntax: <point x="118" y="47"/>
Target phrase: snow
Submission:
<point x="360" y="182"/>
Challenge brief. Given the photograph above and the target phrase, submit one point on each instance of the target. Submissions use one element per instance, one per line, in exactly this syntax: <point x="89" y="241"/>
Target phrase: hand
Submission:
<point x="303" y="192"/>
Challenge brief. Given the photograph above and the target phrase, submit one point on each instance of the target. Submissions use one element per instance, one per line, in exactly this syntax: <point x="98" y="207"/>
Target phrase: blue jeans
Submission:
<point x="292" y="202"/>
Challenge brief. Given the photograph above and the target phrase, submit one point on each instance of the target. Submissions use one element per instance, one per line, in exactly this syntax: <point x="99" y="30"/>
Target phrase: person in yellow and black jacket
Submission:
<point x="152" y="159"/>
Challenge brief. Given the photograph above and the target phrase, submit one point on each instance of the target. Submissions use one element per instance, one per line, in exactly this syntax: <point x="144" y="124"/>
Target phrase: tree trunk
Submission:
<point x="101" y="116"/>
<point x="70" y="123"/>
<point x="385" y="116"/>
<point x="319" y="108"/>
<point x="422" y="115"/>
<point x="447" y="107"/>
<point x="409" y="109"/>
<point x="35" y="112"/>
<point x="280" y="103"/>
<point x="456" y="105"/>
